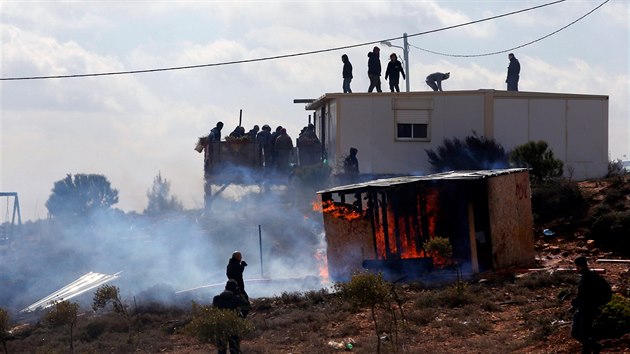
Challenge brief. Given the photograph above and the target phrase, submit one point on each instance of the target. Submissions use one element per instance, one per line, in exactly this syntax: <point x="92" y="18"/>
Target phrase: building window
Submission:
<point x="412" y="124"/>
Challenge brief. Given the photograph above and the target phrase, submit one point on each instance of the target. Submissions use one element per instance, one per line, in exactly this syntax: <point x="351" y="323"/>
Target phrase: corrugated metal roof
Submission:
<point x="451" y="175"/>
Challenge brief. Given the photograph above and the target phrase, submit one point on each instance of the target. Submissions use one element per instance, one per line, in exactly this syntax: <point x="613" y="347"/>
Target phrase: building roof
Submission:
<point x="394" y="181"/>
<point x="320" y="101"/>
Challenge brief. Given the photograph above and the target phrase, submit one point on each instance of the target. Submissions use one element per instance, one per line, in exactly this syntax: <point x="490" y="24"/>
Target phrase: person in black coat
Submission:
<point x="374" y="70"/>
<point x="394" y="69"/>
<point x="513" y="72"/>
<point x="230" y="299"/>
<point x="585" y="307"/>
<point x="346" y="73"/>
<point x="235" y="268"/>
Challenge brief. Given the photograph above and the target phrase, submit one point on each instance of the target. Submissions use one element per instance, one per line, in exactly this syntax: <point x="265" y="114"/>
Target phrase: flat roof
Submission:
<point x="451" y="175"/>
<point x="316" y="103"/>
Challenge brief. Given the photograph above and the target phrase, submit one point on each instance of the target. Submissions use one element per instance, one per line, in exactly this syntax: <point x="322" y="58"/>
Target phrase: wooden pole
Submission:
<point x="240" y="118"/>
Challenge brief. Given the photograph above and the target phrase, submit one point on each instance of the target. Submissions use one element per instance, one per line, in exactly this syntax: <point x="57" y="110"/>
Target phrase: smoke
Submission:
<point x="161" y="256"/>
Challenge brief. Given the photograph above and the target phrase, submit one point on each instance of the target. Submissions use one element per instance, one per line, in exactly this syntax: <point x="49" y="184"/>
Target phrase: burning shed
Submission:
<point x="486" y="215"/>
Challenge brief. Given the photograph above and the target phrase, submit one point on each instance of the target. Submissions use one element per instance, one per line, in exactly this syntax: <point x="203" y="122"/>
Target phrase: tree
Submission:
<point x="4" y="328"/>
<point x="64" y="313"/>
<point x="537" y="156"/>
<point x="160" y="200"/>
<point x="474" y="153"/>
<point x="81" y="196"/>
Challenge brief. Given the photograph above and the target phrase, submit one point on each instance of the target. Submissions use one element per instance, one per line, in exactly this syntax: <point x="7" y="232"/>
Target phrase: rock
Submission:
<point x="590" y="244"/>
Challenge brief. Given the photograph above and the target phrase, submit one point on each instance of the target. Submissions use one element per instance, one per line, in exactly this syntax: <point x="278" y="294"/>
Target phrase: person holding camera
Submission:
<point x="235" y="268"/>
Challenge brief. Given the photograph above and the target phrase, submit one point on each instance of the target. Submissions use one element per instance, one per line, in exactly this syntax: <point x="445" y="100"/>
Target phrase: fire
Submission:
<point x="401" y="236"/>
<point x="338" y="211"/>
<point x="322" y="263"/>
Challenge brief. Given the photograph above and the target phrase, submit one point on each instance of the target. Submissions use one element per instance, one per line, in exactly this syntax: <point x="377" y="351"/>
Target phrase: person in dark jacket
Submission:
<point x="264" y="145"/>
<point x="394" y="69"/>
<point x="351" y="166"/>
<point x="235" y="268"/>
<point x="435" y="80"/>
<point x="274" y="136"/>
<point x="513" y="72"/>
<point x="215" y="133"/>
<point x="282" y="149"/>
<point x="237" y="132"/>
<point x="346" y="73"/>
<point x="252" y="133"/>
<point x="374" y="70"/>
<point x="230" y="299"/>
<point x="586" y="308"/>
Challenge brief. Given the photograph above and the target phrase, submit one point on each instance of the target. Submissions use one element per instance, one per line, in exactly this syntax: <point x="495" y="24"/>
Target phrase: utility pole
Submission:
<point x="406" y="55"/>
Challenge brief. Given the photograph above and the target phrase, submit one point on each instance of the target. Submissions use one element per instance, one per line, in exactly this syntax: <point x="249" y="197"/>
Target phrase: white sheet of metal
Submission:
<point x="85" y="283"/>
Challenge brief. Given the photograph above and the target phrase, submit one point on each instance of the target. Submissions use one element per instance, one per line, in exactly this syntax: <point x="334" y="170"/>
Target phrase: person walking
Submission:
<point x="435" y="80"/>
<point x="394" y="69"/>
<point x="235" y="268"/>
<point x="346" y="73"/>
<point x="513" y="72"/>
<point x="374" y="70"/>
<point x="230" y="299"/>
<point x="592" y="293"/>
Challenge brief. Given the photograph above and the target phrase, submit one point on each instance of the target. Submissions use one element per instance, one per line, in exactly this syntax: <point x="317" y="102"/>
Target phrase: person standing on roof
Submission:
<point x="346" y="73"/>
<point x="264" y="145"/>
<point x="215" y="133"/>
<point x="283" y="148"/>
<point x="513" y="72"/>
<point x="394" y="69"/>
<point x="374" y="70"/>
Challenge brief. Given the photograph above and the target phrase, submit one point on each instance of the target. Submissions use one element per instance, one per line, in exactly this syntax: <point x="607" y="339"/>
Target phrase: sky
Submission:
<point x="131" y="127"/>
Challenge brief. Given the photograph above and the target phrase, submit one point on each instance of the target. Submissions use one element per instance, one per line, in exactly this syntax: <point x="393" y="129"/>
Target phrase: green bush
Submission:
<point x="63" y="313"/>
<point x="616" y="168"/>
<point x="614" y="320"/>
<point x="557" y="199"/>
<point x="210" y="324"/>
<point x="613" y="230"/>
<point x="474" y="153"/>
<point x="537" y="156"/>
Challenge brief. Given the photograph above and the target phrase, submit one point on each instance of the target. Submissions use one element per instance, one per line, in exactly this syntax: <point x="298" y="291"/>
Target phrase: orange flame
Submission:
<point x="338" y="211"/>
<point x="322" y="263"/>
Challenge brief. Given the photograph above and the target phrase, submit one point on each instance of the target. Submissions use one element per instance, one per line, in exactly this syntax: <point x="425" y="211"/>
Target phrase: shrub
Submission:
<point x="210" y="324"/>
<point x="109" y="294"/>
<point x="63" y="313"/>
<point x="4" y="328"/>
<point x="474" y="153"/>
<point x="553" y="200"/>
<point x="440" y="248"/>
<point x="612" y="229"/>
<point x="537" y="156"/>
<point x="614" y="320"/>
<point x="616" y="168"/>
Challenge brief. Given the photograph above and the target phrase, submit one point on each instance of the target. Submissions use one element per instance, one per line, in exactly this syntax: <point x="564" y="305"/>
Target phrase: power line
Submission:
<point x="513" y="48"/>
<point x="111" y="73"/>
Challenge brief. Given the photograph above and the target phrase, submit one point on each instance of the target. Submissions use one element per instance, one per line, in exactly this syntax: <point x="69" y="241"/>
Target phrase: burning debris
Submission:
<point x="385" y="224"/>
<point x="85" y="283"/>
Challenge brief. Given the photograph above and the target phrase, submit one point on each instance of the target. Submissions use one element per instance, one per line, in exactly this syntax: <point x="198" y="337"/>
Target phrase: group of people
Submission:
<point x="395" y="70"/>
<point x="274" y="148"/>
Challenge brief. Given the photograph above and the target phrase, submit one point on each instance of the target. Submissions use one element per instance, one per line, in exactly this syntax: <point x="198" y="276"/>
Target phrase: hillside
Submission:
<point x="520" y="311"/>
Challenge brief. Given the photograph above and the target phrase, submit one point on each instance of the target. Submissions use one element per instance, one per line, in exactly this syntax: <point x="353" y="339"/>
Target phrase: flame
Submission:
<point x="322" y="264"/>
<point x="339" y="211"/>
<point x="409" y="227"/>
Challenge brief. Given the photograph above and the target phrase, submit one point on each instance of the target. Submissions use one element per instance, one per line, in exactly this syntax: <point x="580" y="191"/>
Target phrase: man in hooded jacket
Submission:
<point x="374" y="70"/>
<point x="230" y="299"/>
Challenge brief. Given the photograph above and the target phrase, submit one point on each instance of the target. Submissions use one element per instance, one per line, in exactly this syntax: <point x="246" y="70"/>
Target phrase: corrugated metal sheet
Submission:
<point x="451" y="175"/>
<point x="85" y="283"/>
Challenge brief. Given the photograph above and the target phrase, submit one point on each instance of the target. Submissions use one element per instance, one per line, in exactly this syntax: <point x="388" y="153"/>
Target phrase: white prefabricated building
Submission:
<point x="393" y="130"/>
